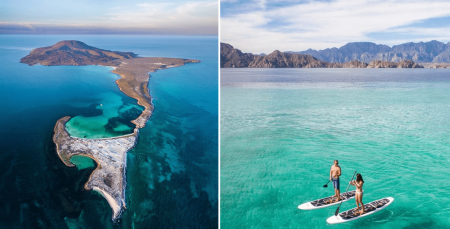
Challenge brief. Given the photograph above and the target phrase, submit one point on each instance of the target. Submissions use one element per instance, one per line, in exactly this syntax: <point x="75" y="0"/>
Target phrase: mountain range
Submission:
<point x="234" y="58"/>
<point x="422" y="52"/>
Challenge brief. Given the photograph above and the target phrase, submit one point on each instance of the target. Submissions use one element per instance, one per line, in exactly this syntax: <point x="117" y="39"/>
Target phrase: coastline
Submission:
<point x="111" y="162"/>
<point x="112" y="203"/>
<point x="134" y="78"/>
<point x="133" y="82"/>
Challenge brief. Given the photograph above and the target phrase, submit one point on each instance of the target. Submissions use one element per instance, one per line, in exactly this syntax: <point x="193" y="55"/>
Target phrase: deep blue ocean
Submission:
<point x="281" y="130"/>
<point x="172" y="177"/>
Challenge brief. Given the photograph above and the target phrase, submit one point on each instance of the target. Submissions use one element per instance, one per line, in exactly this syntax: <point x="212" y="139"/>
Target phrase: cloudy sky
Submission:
<point x="185" y="17"/>
<point x="261" y="26"/>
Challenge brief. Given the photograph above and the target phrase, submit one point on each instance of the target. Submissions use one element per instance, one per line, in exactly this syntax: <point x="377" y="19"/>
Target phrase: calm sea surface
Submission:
<point x="172" y="172"/>
<point x="281" y="129"/>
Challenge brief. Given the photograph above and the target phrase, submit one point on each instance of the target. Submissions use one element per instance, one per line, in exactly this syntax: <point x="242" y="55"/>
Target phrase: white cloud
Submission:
<point x="27" y="25"/>
<point x="322" y="25"/>
<point x="196" y="15"/>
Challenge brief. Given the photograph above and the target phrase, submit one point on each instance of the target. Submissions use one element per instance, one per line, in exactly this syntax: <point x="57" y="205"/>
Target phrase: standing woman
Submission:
<point x="359" y="192"/>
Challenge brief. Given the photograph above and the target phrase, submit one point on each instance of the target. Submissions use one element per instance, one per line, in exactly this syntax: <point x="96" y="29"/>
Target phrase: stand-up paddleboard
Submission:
<point x="370" y="208"/>
<point x="326" y="202"/>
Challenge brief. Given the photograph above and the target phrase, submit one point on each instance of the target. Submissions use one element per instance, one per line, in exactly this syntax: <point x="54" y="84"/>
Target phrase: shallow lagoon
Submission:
<point x="114" y="119"/>
<point x="82" y="162"/>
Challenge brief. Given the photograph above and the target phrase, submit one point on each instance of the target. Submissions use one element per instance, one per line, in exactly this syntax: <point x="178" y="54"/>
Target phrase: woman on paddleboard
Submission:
<point x="359" y="192"/>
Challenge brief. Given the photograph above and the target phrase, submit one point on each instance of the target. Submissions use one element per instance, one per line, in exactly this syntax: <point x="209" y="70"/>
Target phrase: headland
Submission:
<point x="110" y="154"/>
<point x="109" y="177"/>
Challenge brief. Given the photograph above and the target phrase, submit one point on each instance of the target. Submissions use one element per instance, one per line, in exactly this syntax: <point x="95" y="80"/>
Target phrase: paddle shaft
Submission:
<point x="326" y="184"/>
<point x="337" y="210"/>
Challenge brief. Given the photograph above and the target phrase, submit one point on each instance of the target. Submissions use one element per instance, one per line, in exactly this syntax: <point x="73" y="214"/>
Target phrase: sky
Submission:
<point x="262" y="26"/>
<point x="178" y="17"/>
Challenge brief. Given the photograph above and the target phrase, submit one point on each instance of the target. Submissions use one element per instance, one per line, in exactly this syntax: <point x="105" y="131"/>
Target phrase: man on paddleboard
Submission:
<point x="335" y="172"/>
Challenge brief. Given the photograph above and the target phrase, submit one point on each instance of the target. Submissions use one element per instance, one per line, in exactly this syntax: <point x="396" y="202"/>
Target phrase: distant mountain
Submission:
<point x="387" y="64"/>
<point x="278" y="59"/>
<point x="433" y="51"/>
<point x="73" y="52"/>
<point x="234" y="58"/>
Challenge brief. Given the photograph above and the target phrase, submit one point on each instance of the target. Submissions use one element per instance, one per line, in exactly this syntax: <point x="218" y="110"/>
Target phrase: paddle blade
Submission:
<point x="337" y="211"/>
<point x="325" y="186"/>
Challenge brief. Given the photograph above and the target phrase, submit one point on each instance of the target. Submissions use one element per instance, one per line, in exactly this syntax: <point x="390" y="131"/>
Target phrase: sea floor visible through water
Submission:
<point x="281" y="129"/>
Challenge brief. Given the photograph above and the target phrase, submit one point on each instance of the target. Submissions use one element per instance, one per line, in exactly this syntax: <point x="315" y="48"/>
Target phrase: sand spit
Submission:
<point x="134" y="80"/>
<point x="109" y="153"/>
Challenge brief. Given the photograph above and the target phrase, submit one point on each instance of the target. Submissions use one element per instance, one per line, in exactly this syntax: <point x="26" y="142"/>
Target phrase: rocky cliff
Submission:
<point x="278" y="59"/>
<point x="234" y="58"/>
<point x="387" y="64"/>
<point x="354" y="64"/>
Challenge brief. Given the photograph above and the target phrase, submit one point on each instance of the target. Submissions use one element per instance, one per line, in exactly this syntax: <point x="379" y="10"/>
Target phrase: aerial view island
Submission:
<point x="109" y="153"/>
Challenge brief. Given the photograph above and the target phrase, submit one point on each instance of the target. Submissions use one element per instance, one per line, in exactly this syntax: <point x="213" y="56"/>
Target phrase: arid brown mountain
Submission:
<point x="73" y="53"/>
<point x="279" y="59"/>
<point x="234" y="58"/>
<point x="354" y="64"/>
<point x="401" y="64"/>
<point x="422" y="52"/>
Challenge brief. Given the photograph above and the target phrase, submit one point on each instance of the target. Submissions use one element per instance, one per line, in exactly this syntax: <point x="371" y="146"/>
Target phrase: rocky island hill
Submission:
<point x="74" y="53"/>
<point x="234" y="58"/>
<point x="108" y="178"/>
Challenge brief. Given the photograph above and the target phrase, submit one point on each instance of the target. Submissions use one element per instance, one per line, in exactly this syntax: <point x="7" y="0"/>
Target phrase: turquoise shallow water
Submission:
<point x="173" y="182"/>
<point x="281" y="130"/>
<point x="82" y="162"/>
<point x="112" y="121"/>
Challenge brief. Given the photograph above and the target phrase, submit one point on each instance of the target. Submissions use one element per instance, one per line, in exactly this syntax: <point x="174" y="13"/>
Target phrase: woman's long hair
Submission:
<point x="359" y="178"/>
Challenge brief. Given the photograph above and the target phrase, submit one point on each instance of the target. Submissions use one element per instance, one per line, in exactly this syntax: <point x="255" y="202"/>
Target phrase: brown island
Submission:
<point x="109" y="153"/>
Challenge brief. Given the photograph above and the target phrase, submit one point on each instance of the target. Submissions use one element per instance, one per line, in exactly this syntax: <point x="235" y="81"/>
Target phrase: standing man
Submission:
<point x="335" y="172"/>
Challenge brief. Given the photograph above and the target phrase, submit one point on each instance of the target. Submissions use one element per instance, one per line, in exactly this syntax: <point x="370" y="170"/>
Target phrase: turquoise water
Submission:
<point x="281" y="129"/>
<point x="173" y="182"/>
<point x="82" y="162"/>
<point x="38" y="191"/>
<point x="112" y="108"/>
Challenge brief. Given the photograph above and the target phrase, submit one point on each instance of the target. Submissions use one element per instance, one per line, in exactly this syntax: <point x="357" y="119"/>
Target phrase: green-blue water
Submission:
<point x="82" y="162"/>
<point x="38" y="191"/>
<point x="175" y="174"/>
<point x="281" y="129"/>
<point x="112" y="122"/>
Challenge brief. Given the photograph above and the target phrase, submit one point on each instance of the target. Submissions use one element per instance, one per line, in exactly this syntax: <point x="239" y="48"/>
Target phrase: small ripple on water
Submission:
<point x="393" y="137"/>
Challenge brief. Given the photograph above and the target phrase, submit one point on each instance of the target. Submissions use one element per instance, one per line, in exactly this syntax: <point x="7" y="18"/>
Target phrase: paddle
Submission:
<point x="326" y="185"/>
<point x="337" y="210"/>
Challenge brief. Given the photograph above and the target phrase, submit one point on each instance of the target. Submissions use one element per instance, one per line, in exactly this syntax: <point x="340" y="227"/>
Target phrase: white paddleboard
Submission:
<point x="370" y="208"/>
<point x="326" y="202"/>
